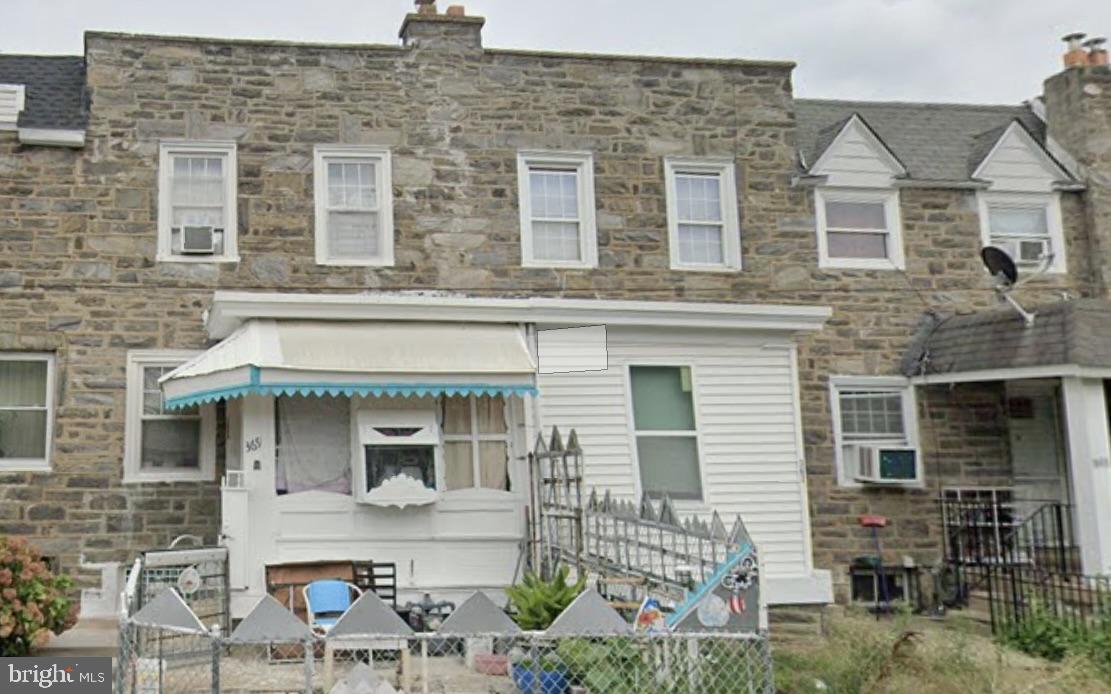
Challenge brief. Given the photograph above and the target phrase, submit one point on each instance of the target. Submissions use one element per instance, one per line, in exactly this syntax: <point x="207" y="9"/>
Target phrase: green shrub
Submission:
<point x="1046" y="635"/>
<point x="33" y="601"/>
<point x="536" y="602"/>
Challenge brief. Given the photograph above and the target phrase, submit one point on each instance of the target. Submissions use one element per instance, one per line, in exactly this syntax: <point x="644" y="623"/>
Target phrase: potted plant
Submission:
<point x="544" y="674"/>
<point x="536" y="602"/>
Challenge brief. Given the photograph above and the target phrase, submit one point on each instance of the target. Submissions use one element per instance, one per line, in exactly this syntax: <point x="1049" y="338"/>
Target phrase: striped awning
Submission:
<point x="302" y="357"/>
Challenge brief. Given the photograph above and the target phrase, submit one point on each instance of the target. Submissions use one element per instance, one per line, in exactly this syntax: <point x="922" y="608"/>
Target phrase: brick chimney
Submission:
<point x="1078" y="118"/>
<point x="427" y="28"/>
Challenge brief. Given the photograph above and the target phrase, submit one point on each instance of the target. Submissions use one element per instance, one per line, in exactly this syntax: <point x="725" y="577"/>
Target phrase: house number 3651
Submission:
<point x="254" y="444"/>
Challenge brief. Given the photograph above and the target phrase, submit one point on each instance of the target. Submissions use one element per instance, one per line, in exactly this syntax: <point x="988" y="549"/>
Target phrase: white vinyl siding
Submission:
<point x="556" y="199"/>
<point x="26" y="410"/>
<point x="162" y="445"/>
<point x="354" y="205"/>
<point x="702" y="217"/>
<point x="748" y="430"/>
<point x="11" y="104"/>
<point x="197" y="189"/>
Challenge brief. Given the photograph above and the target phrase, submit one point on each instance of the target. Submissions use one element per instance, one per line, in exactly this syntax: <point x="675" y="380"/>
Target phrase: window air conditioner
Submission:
<point x="1024" y="251"/>
<point x="884" y="464"/>
<point x="200" y="240"/>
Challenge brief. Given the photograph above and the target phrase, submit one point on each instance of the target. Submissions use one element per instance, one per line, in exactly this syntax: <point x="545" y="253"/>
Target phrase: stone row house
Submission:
<point x="233" y="273"/>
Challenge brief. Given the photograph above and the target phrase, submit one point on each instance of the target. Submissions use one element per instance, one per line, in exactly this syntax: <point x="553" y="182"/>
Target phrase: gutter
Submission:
<point x="51" y="137"/>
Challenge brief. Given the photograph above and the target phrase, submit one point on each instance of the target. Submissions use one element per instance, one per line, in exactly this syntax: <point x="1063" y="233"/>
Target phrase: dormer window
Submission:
<point x="11" y="104"/>
<point x="197" y="202"/>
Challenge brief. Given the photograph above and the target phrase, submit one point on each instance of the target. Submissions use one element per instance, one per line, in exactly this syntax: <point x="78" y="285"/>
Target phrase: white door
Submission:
<point x="1037" y="455"/>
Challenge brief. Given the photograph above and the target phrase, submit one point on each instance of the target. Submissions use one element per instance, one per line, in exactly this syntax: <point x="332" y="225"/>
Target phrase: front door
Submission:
<point x="1037" y="452"/>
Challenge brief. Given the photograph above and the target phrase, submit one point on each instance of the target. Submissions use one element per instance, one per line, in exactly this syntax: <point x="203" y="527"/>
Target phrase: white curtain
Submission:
<point x="314" y="449"/>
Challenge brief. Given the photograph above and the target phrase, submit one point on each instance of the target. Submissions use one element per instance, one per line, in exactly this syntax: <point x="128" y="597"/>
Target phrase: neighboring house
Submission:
<point x="309" y="300"/>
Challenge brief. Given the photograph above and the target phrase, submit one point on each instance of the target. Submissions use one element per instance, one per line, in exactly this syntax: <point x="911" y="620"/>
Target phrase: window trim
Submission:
<point x="725" y="169"/>
<point x="1050" y="202"/>
<point x="36" y="464"/>
<point x="137" y="360"/>
<point x="384" y="183"/>
<point x="167" y="149"/>
<point x="885" y="384"/>
<point x="632" y="430"/>
<point x="475" y="438"/>
<point x="583" y="164"/>
<point x="896" y="258"/>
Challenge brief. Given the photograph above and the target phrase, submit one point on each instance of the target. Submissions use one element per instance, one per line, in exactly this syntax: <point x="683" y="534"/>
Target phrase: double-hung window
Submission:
<point x="859" y="229"/>
<point x="354" y="205"/>
<point x="163" y="444"/>
<point x="26" y="410"/>
<point x="1025" y="225"/>
<point x="702" y="219"/>
<point x="666" y="431"/>
<point x="476" y="442"/>
<point x="873" y="412"/>
<point x="556" y="198"/>
<point x="197" y="202"/>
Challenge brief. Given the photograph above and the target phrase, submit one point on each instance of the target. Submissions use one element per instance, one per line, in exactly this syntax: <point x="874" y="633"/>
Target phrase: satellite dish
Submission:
<point x="1000" y="265"/>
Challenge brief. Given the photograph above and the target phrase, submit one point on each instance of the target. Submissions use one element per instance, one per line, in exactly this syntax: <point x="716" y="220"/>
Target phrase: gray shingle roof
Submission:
<point x="1069" y="332"/>
<point x="54" y="95"/>
<point x="934" y="141"/>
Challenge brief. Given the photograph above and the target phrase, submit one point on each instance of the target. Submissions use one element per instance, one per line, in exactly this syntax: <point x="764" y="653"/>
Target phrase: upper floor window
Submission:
<point x="557" y="209"/>
<point x="162" y="445"/>
<point x="197" y="202"/>
<point x="1025" y="225"/>
<point x="859" y="229"/>
<point x="26" y="409"/>
<point x="354" y="205"/>
<point x="702" y="220"/>
<point x="666" y="431"/>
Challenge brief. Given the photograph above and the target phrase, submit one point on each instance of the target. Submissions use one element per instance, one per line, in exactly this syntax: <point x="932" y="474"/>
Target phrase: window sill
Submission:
<point x="554" y="265"/>
<point x="725" y="269"/>
<point x="852" y="264"/>
<point x="24" y="465"/>
<point x="361" y="262"/>
<point x="152" y="478"/>
<point x="196" y="259"/>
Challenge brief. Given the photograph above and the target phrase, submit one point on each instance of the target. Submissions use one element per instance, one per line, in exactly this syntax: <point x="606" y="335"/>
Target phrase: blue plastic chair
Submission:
<point x="326" y="601"/>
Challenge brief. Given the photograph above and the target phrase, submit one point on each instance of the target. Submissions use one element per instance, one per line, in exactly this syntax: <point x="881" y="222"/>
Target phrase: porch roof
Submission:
<point x="306" y="357"/>
<point x="1066" y="338"/>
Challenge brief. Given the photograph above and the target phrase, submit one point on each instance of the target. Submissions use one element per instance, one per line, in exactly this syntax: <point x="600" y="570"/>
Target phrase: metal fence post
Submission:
<point x="310" y="648"/>
<point x="215" y="634"/>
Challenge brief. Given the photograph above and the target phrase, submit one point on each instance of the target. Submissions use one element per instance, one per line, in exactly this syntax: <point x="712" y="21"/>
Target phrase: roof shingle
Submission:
<point x="54" y="95"/>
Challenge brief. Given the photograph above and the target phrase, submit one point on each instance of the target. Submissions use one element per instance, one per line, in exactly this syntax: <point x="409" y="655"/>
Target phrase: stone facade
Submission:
<point x="78" y="238"/>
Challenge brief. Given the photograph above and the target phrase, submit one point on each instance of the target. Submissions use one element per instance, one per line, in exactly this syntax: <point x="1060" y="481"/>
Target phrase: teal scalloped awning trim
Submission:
<point x="333" y="389"/>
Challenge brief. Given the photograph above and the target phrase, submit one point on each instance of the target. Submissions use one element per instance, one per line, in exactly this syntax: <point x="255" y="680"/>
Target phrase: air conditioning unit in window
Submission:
<point x="1025" y="252"/>
<point x="198" y="240"/>
<point x="874" y="464"/>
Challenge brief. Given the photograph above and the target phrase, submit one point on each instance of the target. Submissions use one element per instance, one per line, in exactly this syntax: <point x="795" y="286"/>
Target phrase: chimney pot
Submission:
<point x="1075" y="56"/>
<point x="456" y="11"/>
<point x="426" y="6"/>
<point x="1097" y="53"/>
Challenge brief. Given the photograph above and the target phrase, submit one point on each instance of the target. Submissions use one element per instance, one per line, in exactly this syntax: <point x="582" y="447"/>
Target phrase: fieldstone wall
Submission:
<point x="77" y="250"/>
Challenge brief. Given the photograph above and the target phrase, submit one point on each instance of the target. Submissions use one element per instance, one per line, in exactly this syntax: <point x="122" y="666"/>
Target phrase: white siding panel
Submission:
<point x="855" y="160"/>
<point x="1016" y="164"/>
<point x="748" y="430"/>
<point x="572" y="349"/>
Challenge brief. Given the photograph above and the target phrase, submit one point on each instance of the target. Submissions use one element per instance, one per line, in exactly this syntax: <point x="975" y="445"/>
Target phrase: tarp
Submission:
<point x="303" y="357"/>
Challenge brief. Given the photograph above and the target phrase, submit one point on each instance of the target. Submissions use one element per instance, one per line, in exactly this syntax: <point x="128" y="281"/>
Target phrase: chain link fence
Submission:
<point x="154" y="660"/>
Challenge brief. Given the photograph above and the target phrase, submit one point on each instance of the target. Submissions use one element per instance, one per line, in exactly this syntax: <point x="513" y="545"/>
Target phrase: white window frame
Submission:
<point x="9" y="120"/>
<point x="895" y="260"/>
<point x="133" y="473"/>
<point x="725" y="169"/>
<point x="633" y="433"/>
<point x="34" y="464"/>
<point x="583" y="164"/>
<point x="475" y="437"/>
<point x="384" y="183"/>
<point x="167" y="149"/>
<point x="1049" y="202"/>
<point x="881" y="384"/>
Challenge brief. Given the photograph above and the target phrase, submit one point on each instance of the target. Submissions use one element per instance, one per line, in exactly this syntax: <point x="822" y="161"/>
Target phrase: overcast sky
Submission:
<point x="996" y="51"/>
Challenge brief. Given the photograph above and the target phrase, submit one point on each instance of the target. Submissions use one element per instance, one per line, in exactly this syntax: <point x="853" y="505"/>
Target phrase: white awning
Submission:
<point x="304" y="357"/>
